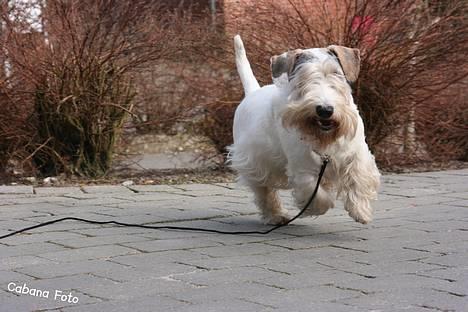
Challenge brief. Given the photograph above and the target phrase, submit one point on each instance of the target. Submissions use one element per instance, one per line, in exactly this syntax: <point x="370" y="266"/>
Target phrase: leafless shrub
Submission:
<point x="168" y="97"/>
<point x="411" y="51"/>
<point x="14" y="136"/>
<point x="445" y="120"/>
<point x="77" y="68"/>
<point x="75" y="76"/>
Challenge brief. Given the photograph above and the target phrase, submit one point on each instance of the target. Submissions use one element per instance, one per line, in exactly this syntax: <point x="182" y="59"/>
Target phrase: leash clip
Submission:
<point x="325" y="158"/>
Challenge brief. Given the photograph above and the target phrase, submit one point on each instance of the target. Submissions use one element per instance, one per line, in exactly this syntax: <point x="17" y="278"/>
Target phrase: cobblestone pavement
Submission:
<point x="413" y="257"/>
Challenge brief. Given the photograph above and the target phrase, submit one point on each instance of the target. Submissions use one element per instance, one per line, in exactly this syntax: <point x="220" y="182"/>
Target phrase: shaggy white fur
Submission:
<point x="281" y="131"/>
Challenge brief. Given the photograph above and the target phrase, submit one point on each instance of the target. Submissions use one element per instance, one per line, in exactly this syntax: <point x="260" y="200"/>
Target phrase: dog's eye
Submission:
<point x="337" y="73"/>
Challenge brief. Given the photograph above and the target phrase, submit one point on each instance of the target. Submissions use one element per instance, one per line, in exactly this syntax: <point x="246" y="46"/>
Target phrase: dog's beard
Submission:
<point x="302" y="117"/>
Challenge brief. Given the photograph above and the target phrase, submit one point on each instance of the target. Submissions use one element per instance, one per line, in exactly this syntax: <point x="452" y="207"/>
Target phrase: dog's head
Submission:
<point x="320" y="100"/>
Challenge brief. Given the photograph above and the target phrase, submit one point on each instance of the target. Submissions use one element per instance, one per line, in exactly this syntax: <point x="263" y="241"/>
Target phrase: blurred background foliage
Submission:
<point x="78" y="77"/>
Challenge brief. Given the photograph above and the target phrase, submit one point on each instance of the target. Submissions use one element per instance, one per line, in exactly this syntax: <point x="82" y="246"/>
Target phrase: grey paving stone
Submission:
<point x="451" y="260"/>
<point x="396" y="282"/>
<point x="305" y="258"/>
<point x="441" y="246"/>
<point x="412" y="297"/>
<point x="33" y="303"/>
<point x="58" y="227"/>
<point x="16" y="189"/>
<point x="227" y="305"/>
<point x="84" y="241"/>
<point x="411" y="258"/>
<point x="148" y="260"/>
<point x="307" y="278"/>
<point x="229" y="275"/>
<point x="230" y="240"/>
<point x="53" y="270"/>
<point x="57" y="190"/>
<point x="29" y="249"/>
<point x="221" y="292"/>
<point x="450" y="274"/>
<point x="320" y="240"/>
<point x="240" y="250"/>
<point x="459" y="203"/>
<point x="87" y="253"/>
<point x="460" y="195"/>
<point x="150" y="271"/>
<point x="412" y="192"/>
<point x="104" y="230"/>
<point x="10" y="263"/>
<point x="160" y="199"/>
<point x="153" y="188"/>
<point x="152" y="303"/>
<point x="114" y="290"/>
<point x="88" y="285"/>
<point x="8" y="226"/>
<point x="12" y="276"/>
<point x="296" y="299"/>
<point x="201" y="187"/>
<point x="98" y="189"/>
<point x="34" y="237"/>
<point x="170" y="244"/>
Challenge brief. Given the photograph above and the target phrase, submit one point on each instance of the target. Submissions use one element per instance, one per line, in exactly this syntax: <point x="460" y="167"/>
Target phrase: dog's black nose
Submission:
<point x="324" y="111"/>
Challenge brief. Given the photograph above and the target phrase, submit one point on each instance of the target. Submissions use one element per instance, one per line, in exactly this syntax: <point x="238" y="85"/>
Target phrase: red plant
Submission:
<point x="76" y="67"/>
<point x="410" y="52"/>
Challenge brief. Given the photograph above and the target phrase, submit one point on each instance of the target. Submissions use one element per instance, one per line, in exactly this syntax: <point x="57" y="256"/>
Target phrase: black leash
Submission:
<point x="168" y="227"/>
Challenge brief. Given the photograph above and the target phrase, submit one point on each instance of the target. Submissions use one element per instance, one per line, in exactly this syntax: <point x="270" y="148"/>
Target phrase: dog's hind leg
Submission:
<point x="268" y="201"/>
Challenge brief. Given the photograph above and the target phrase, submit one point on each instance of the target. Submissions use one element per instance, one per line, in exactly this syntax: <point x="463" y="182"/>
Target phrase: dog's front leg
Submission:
<point x="268" y="201"/>
<point x="303" y="187"/>
<point x="359" y="181"/>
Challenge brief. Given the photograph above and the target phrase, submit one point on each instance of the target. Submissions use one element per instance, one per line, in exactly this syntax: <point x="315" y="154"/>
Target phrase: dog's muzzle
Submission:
<point x="324" y="121"/>
<point x="326" y="124"/>
<point x="324" y="111"/>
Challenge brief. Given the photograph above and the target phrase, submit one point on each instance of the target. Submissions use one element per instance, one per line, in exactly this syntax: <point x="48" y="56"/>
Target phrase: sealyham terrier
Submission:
<point x="282" y="130"/>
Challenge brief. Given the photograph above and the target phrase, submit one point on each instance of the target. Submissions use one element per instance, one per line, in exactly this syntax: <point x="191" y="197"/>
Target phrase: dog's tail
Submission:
<point x="247" y="77"/>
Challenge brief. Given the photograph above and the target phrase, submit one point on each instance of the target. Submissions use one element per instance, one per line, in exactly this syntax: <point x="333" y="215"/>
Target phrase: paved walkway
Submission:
<point x="413" y="257"/>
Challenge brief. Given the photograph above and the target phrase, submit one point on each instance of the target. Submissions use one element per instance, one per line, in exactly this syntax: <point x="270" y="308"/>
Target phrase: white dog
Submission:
<point x="282" y="130"/>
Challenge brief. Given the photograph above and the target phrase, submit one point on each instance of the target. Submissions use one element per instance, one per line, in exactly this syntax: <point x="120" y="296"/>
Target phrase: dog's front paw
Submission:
<point x="320" y="205"/>
<point x="278" y="219"/>
<point x="361" y="212"/>
<point x="361" y="218"/>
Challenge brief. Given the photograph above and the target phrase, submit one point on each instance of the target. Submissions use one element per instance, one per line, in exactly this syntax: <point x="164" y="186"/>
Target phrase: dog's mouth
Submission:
<point x="326" y="124"/>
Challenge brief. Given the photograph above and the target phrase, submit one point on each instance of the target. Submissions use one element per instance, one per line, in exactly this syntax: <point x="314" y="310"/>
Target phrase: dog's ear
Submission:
<point x="349" y="59"/>
<point x="284" y="63"/>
